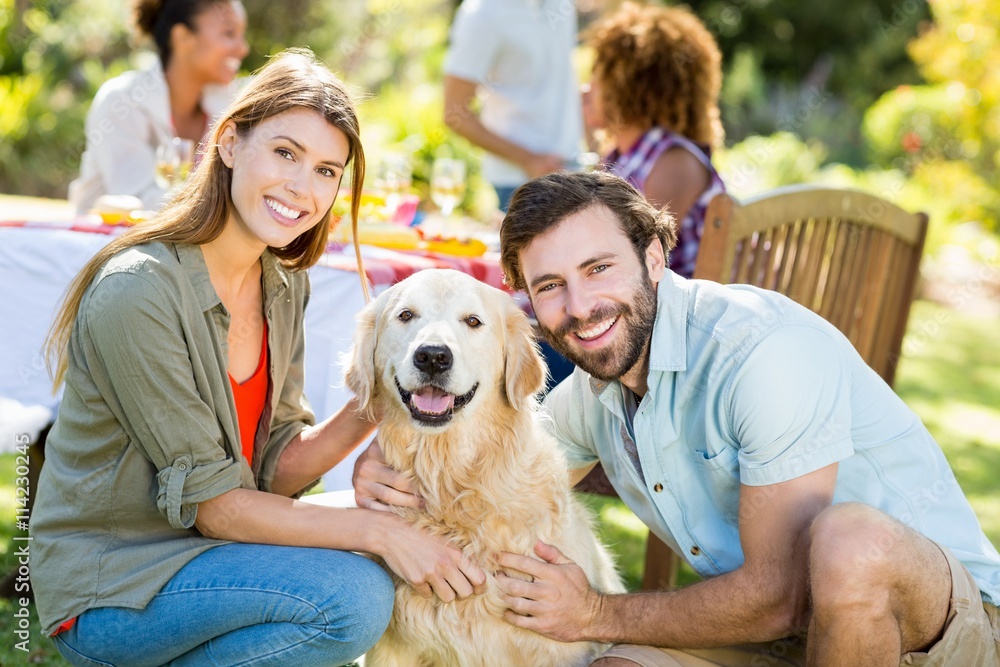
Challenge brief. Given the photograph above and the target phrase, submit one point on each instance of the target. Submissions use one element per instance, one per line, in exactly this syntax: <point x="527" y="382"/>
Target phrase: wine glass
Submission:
<point x="393" y="178"/>
<point x="447" y="184"/>
<point x="173" y="162"/>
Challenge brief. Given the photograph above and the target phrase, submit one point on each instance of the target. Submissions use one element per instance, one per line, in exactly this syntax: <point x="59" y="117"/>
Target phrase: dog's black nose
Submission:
<point x="432" y="359"/>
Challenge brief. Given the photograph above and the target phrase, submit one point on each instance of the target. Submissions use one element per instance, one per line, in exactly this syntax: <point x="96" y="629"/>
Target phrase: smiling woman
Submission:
<point x="181" y="345"/>
<point x="200" y="44"/>
<point x="281" y="187"/>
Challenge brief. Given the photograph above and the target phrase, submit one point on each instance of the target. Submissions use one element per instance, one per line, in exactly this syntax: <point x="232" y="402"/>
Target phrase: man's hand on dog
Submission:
<point x="379" y="487"/>
<point x="558" y="602"/>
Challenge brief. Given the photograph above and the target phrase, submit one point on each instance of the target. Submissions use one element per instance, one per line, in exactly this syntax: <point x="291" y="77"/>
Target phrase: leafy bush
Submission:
<point x="761" y="163"/>
<point x="810" y="68"/>
<point x="41" y="135"/>
<point x="55" y="57"/>
<point x="946" y="134"/>
<point x="913" y="124"/>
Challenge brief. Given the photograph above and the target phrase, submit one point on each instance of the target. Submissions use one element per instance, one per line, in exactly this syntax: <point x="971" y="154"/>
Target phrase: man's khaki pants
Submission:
<point x="971" y="639"/>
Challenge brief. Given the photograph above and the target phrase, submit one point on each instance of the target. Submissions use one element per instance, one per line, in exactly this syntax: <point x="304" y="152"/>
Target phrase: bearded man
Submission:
<point x="751" y="437"/>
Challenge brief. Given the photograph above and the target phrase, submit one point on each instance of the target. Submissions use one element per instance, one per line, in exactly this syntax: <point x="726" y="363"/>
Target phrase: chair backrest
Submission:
<point x="849" y="256"/>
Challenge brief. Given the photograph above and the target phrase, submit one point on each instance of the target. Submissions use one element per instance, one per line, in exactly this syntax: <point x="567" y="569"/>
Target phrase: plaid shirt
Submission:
<point x="634" y="166"/>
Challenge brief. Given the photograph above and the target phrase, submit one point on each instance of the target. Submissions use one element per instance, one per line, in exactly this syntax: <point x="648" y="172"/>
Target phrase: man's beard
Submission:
<point x="636" y="329"/>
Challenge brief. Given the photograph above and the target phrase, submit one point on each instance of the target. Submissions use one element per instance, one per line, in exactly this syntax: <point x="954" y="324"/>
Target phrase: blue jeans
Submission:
<point x="560" y="367"/>
<point x="245" y="604"/>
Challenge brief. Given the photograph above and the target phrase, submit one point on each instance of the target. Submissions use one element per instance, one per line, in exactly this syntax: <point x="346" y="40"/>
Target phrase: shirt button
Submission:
<point x="695" y="550"/>
<point x="182" y="466"/>
<point x="658" y="487"/>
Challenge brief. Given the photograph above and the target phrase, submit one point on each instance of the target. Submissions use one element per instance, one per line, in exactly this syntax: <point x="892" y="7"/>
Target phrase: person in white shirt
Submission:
<point x="201" y="45"/>
<point x="515" y="55"/>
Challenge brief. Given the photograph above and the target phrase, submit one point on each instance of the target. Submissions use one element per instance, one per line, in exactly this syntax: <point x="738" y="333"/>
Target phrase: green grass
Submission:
<point x="950" y="375"/>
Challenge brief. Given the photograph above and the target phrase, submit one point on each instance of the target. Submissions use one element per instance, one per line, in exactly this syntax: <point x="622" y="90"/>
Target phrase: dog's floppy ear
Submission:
<point x="359" y="370"/>
<point x="524" y="368"/>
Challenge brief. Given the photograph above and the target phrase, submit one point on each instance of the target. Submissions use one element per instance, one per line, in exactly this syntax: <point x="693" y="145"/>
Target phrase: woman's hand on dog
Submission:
<point x="379" y="487"/>
<point x="425" y="562"/>
<point x="430" y="566"/>
<point x="557" y="602"/>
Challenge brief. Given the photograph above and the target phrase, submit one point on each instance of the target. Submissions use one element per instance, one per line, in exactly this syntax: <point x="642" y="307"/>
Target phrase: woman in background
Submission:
<point x="654" y="92"/>
<point x="201" y="45"/>
<point x="166" y="529"/>
<point x="653" y="97"/>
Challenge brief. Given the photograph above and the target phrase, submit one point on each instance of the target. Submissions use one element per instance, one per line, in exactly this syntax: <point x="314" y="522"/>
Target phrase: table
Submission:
<point x="39" y="258"/>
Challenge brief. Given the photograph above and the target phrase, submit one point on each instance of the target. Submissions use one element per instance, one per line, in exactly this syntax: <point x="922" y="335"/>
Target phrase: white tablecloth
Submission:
<point x="36" y="266"/>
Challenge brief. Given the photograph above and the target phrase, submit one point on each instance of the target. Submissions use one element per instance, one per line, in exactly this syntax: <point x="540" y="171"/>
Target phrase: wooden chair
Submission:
<point x="849" y="256"/>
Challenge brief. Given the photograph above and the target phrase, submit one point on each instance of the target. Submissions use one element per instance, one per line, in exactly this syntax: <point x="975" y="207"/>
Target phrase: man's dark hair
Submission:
<point x="541" y="204"/>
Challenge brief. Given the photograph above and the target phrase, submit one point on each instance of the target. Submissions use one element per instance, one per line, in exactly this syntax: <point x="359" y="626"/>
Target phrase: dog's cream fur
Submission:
<point x="492" y="479"/>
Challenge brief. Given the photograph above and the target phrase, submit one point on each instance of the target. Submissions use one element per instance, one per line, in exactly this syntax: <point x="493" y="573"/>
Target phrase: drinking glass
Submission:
<point x="173" y="162"/>
<point x="393" y="178"/>
<point x="447" y="184"/>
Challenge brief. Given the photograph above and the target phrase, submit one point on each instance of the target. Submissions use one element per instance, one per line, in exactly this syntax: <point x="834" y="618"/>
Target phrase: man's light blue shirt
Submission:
<point x="748" y="387"/>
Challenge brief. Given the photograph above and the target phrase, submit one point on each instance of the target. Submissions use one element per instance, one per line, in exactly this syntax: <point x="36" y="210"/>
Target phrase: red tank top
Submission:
<point x="250" y="398"/>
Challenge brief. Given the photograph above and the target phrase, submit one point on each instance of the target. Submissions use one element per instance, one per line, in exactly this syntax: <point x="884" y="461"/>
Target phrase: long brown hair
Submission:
<point x="293" y="79"/>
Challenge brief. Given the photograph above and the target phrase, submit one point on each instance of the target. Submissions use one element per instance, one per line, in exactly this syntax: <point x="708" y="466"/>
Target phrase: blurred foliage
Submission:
<point x="273" y="26"/>
<point x="825" y="44"/>
<point x="761" y="163"/>
<point x="411" y="123"/>
<point x="810" y="68"/>
<point x="399" y="54"/>
<point x="53" y="57"/>
<point x="913" y="124"/>
<point x="792" y="71"/>
<point x="934" y="147"/>
<point x="946" y="133"/>
<point x="951" y="192"/>
<point x="55" y="54"/>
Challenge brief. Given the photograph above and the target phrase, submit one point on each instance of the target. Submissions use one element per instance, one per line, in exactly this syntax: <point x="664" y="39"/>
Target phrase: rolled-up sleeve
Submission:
<point x="789" y="406"/>
<point x="137" y="347"/>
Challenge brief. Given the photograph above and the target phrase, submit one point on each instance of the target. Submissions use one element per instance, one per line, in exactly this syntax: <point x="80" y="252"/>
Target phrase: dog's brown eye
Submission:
<point x="405" y="316"/>
<point x="473" y="321"/>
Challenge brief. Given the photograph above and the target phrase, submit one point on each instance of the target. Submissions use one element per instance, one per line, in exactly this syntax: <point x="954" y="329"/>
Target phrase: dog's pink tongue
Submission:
<point x="432" y="401"/>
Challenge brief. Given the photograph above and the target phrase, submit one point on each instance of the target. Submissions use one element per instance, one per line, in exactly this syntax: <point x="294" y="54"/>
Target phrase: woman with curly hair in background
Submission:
<point x="654" y="91"/>
<point x="201" y="45"/>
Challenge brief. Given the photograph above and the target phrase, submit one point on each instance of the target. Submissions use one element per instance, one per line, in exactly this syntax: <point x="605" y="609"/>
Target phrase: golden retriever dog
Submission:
<point x="452" y="367"/>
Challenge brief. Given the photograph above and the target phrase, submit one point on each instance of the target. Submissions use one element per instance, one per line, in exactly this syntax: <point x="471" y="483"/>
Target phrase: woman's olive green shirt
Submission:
<point x="147" y="427"/>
